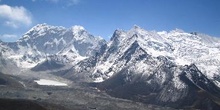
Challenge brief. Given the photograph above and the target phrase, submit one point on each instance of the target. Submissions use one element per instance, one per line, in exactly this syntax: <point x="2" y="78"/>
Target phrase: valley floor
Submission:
<point x="65" y="98"/>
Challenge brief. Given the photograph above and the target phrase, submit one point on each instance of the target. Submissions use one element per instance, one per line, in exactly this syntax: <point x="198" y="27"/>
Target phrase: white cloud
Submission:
<point x="5" y="36"/>
<point x="15" y="16"/>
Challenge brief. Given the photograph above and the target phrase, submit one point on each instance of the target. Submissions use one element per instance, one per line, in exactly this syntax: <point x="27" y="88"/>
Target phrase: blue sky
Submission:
<point x="102" y="17"/>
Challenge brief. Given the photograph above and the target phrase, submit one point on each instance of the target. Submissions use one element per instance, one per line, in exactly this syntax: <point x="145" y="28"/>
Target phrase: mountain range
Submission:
<point x="176" y="69"/>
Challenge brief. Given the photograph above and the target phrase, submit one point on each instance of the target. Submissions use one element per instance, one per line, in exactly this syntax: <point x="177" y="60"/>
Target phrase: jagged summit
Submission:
<point x="180" y="47"/>
<point x="44" y="27"/>
<point x="177" y="30"/>
<point x="77" y="28"/>
<point x="136" y="27"/>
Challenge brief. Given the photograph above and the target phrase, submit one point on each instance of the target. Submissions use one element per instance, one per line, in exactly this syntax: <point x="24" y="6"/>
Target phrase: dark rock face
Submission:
<point x="128" y="53"/>
<point x="47" y="65"/>
<point x="201" y="81"/>
<point x="198" y="93"/>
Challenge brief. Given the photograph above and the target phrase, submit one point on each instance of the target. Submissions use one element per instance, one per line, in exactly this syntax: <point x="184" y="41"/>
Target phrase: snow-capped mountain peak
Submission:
<point x="181" y="47"/>
<point x="44" y="39"/>
<point x="77" y="28"/>
<point x="167" y="67"/>
<point x="178" y="46"/>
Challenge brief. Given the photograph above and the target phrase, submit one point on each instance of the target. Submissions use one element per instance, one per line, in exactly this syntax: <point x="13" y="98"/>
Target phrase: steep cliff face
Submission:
<point x="189" y="89"/>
